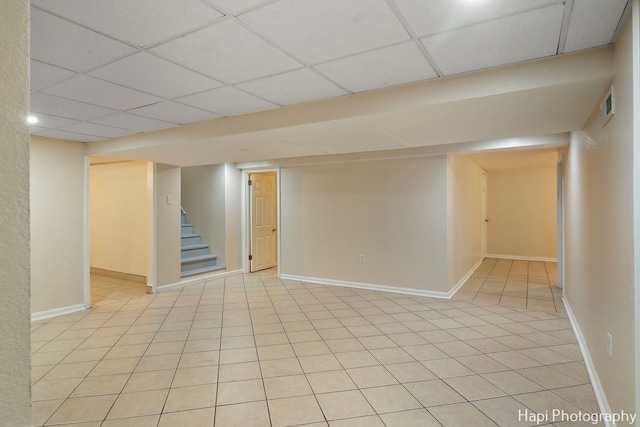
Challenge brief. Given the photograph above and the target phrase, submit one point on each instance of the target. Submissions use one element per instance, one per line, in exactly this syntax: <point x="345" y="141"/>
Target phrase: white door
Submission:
<point x="264" y="242"/>
<point x="483" y="215"/>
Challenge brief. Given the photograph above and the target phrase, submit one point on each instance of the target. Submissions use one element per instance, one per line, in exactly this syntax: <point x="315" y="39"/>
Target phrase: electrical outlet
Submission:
<point x="363" y="259"/>
<point x="610" y="344"/>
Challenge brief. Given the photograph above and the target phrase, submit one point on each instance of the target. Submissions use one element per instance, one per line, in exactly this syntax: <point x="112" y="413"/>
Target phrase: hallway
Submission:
<point x="107" y="289"/>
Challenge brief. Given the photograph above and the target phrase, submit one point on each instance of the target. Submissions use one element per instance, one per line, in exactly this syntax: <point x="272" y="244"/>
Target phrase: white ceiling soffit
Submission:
<point x="109" y="64"/>
<point x="543" y="97"/>
<point x="516" y="159"/>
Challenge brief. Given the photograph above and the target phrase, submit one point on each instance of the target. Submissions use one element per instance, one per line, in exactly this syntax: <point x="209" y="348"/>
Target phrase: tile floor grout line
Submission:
<point x="264" y="387"/>
<point x="364" y="307"/>
<point x="506" y="280"/>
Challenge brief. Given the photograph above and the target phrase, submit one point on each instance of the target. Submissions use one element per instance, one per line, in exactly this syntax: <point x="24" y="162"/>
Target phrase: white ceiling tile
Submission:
<point x="430" y="17"/>
<point x="227" y="52"/>
<point x="508" y="40"/>
<point x="321" y="30"/>
<point x="94" y="91"/>
<point x="380" y="68"/>
<point x="139" y="22"/>
<point x="67" y="45"/>
<point x="45" y="75"/>
<point x="93" y="129"/>
<point x="132" y="122"/>
<point x="227" y="101"/>
<point x="49" y="121"/>
<point x="593" y="23"/>
<point x="54" y="105"/>
<point x="70" y="136"/>
<point x="293" y="87"/>
<point x="174" y="112"/>
<point x="154" y="75"/>
<point x="233" y="7"/>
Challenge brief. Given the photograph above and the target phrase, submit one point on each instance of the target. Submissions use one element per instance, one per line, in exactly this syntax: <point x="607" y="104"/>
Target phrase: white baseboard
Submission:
<point x="523" y="258"/>
<point x="385" y="288"/>
<point x="41" y="315"/>
<point x="591" y="369"/>
<point x="464" y="279"/>
<point x="368" y="286"/>
<point x="197" y="279"/>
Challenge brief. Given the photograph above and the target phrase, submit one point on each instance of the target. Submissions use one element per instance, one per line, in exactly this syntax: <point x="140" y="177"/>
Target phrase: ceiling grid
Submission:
<point x="102" y="70"/>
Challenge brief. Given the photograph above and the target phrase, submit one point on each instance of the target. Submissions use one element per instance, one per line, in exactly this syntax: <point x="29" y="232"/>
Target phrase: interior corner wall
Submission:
<point x="203" y="199"/>
<point x="15" y="369"/>
<point x="234" y="217"/>
<point x="57" y="224"/>
<point x="167" y="181"/>
<point x="522" y="209"/>
<point x="599" y="276"/>
<point x="119" y="217"/>
<point x="391" y="211"/>
<point x="464" y="219"/>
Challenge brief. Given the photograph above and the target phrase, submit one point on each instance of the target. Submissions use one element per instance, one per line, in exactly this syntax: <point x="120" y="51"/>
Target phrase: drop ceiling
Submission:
<point x="111" y="69"/>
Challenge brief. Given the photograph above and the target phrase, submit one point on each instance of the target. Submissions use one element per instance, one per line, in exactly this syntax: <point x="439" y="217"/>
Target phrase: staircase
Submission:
<point x="195" y="257"/>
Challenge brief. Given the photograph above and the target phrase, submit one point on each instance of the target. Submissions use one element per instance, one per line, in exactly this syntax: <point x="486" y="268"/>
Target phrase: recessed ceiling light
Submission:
<point x="32" y="120"/>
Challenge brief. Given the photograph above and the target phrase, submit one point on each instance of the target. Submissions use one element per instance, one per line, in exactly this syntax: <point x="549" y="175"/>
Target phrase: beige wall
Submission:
<point x="203" y="199"/>
<point x="233" y="217"/>
<point x="599" y="236"/>
<point x="119" y="217"/>
<point x="464" y="184"/>
<point x="392" y="211"/>
<point x="167" y="217"/>
<point x="522" y="212"/>
<point x="15" y="386"/>
<point x="58" y="200"/>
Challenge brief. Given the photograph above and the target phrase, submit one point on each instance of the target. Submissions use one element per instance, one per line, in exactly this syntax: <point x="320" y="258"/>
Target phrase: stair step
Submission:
<point x="197" y="262"/>
<point x="190" y="239"/>
<point x="201" y="270"/>
<point x="194" y="250"/>
<point x="184" y="236"/>
<point x="199" y="258"/>
<point x="186" y="229"/>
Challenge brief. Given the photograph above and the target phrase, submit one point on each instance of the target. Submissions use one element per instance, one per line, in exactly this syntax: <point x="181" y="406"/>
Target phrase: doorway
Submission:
<point x="483" y="214"/>
<point x="119" y="229"/>
<point x="263" y="220"/>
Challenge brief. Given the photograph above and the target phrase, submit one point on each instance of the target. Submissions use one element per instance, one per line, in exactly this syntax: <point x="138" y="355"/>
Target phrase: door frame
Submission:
<point x="560" y="224"/>
<point x="246" y="209"/>
<point x="484" y="226"/>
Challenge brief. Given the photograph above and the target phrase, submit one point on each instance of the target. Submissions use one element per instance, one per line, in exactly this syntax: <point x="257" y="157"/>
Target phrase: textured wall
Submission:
<point x="599" y="278"/>
<point x="522" y="207"/>
<point x="464" y="205"/>
<point x="167" y="224"/>
<point x="120" y="215"/>
<point x="57" y="221"/>
<point x="393" y="211"/>
<point x="15" y="376"/>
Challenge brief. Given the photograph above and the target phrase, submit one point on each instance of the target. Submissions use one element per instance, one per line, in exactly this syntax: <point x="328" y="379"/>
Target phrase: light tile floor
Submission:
<point x="253" y="350"/>
<point x="106" y="289"/>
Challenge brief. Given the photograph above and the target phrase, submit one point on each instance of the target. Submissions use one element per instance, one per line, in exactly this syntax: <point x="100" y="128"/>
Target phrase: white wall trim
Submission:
<point x="464" y="279"/>
<point x="86" y="234"/>
<point x="591" y="369"/>
<point x="197" y="279"/>
<point x="368" y="286"/>
<point x="41" y="315"/>
<point x="523" y="258"/>
<point x="634" y="5"/>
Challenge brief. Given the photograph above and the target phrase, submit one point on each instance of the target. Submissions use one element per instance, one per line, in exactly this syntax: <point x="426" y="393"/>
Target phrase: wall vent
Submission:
<point x="607" y="107"/>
